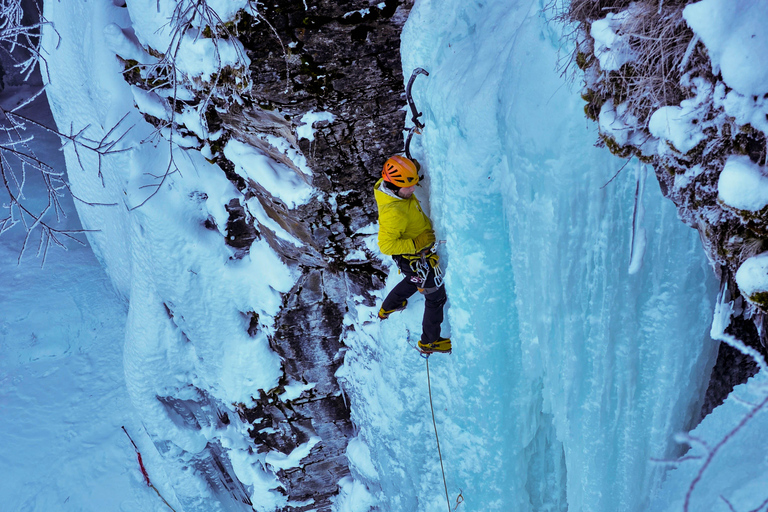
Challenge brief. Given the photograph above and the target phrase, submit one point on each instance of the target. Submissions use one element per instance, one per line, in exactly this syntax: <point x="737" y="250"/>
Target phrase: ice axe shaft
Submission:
<point x="415" y="114"/>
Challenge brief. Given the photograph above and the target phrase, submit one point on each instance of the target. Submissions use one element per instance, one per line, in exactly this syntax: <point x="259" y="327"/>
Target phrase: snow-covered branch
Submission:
<point x="203" y="68"/>
<point x="20" y="41"/>
<point x="19" y="164"/>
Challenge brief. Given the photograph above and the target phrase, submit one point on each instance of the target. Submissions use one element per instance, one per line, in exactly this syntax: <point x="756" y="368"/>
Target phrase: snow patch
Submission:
<point x="353" y="497"/>
<point x="202" y="57"/>
<point x="361" y="12"/>
<point x="359" y="456"/>
<point x="677" y="125"/>
<point x="279" y="460"/>
<point x="306" y="130"/>
<point x="616" y="123"/>
<point x="741" y="54"/>
<point x="611" y="48"/>
<point x="743" y="184"/>
<point x="295" y="389"/>
<point x="752" y="276"/>
<point x="280" y="180"/>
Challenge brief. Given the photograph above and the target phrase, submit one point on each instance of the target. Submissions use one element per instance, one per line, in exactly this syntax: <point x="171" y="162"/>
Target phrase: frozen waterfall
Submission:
<point x="568" y="374"/>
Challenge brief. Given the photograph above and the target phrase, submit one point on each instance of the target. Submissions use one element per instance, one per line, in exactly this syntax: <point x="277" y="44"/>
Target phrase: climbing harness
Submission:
<point x="415" y="114"/>
<point x="422" y="263"/>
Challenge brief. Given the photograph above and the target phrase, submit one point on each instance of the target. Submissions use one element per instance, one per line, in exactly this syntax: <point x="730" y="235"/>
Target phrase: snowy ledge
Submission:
<point x="743" y="185"/>
<point x="752" y="279"/>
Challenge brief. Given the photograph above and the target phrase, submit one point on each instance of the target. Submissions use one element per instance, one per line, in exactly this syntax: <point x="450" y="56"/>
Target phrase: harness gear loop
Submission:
<point x="421" y="264"/>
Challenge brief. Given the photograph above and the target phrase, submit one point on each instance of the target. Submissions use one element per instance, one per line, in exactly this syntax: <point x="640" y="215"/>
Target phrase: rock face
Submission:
<point x="649" y="84"/>
<point x="342" y="58"/>
<point x="324" y="99"/>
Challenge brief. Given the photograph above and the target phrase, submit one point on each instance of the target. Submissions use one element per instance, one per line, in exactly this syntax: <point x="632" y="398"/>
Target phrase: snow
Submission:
<point x="125" y="44"/>
<point x="361" y="12"/>
<point x="295" y="389"/>
<point x="354" y="497"/>
<point x="569" y="375"/>
<point x="197" y="56"/>
<point x="743" y="184"/>
<point x="612" y="122"/>
<point x="151" y="104"/>
<point x="189" y="295"/>
<point x="281" y="181"/>
<point x="279" y="460"/>
<point x="752" y="276"/>
<point x="611" y="48"/>
<point x="736" y="39"/>
<point x="62" y="387"/>
<point x="678" y="125"/>
<point x="746" y="110"/>
<point x="201" y="57"/>
<point x="306" y="129"/>
<point x="152" y="18"/>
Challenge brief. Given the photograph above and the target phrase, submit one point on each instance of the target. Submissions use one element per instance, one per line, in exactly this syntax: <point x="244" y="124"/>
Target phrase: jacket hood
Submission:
<point x="383" y="195"/>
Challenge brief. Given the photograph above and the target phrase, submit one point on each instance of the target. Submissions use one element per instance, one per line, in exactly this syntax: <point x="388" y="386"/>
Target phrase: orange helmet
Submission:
<point x="400" y="171"/>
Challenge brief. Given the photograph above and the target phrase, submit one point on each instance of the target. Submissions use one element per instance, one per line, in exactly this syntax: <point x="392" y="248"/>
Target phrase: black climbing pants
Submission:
<point x="434" y="300"/>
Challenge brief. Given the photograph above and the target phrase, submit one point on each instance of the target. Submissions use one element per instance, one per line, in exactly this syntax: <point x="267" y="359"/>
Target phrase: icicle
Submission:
<point x="721" y="319"/>
<point x="638" y="240"/>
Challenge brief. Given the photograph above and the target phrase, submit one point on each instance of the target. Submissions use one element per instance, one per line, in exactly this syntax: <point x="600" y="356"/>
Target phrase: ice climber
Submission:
<point x="405" y="233"/>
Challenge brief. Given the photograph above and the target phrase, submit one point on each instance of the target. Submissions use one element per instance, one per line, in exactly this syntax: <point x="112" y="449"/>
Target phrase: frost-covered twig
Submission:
<point x="711" y="455"/>
<point x="730" y="506"/>
<point x="19" y="41"/>
<point x="18" y="161"/>
<point x="721" y="320"/>
<point x="675" y="462"/>
<point x="760" y="507"/>
<point x="617" y="173"/>
<point x="191" y="21"/>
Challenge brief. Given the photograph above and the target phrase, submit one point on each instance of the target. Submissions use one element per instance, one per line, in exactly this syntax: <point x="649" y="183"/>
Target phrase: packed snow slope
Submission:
<point x="62" y="389"/>
<point x="568" y="373"/>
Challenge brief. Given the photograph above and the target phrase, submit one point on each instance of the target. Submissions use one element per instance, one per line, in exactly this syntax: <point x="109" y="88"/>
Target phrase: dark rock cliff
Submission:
<point x="340" y="57"/>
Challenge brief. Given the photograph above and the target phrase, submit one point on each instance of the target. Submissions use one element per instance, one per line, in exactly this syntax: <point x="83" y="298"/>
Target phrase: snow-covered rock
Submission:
<point x="752" y="278"/>
<point x="743" y="185"/>
<point x="611" y="46"/>
<point x="737" y="43"/>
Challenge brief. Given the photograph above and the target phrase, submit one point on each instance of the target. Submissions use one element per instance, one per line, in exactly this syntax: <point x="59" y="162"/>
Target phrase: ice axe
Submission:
<point x="415" y="114"/>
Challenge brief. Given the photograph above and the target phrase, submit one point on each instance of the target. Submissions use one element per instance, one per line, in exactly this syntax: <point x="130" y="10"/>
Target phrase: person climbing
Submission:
<point x="406" y="234"/>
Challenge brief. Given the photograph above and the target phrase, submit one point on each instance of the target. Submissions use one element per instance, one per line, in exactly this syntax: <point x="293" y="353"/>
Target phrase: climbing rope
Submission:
<point x="144" y="471"/>
<point x="437" y="438"/>
<point x="428" y="260"/>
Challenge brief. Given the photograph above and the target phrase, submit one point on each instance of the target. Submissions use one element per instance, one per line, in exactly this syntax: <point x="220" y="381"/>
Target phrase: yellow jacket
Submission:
<point x="400" y="221"/>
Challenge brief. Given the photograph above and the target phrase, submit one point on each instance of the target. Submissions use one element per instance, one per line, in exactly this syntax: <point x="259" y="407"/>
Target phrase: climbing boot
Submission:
<point x="384" y="314"/>
<point x="442" y="345"/>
